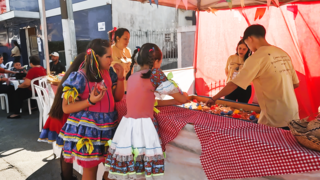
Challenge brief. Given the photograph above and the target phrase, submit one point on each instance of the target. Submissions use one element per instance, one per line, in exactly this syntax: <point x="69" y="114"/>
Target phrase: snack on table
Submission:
<point x="53" y="79"/>
<point x="223" y="110"/>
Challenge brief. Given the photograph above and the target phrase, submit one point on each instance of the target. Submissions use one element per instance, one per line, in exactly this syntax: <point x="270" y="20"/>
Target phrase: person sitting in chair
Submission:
<point x="24" y="90"/>
<point x="56" y="65"/>
<point x="18" y="68"/>
<point x="21" y="72"/>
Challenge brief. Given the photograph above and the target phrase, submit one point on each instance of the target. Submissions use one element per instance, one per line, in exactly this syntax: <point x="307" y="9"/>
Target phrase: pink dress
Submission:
<point x="86" y="132"/>
<point x="135" y="151"/>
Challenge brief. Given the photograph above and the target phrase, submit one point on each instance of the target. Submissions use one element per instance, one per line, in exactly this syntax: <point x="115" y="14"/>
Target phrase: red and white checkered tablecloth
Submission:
<point x="233" y="148"/>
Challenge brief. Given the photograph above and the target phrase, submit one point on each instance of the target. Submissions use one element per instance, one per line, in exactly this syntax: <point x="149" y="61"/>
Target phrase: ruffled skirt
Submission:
<point x="52" y="129"/>
<point x="135" y="151"/>
<point x="85" y="136"/>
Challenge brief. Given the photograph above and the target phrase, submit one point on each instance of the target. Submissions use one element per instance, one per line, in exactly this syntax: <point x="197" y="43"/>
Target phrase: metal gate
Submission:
<point x="166" y="40"/>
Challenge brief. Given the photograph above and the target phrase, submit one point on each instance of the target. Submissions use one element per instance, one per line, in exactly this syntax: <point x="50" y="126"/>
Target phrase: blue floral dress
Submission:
<point x="87" y="132"/>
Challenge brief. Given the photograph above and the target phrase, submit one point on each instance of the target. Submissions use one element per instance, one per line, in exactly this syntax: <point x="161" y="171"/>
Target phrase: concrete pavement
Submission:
<point x="21" y="156"/>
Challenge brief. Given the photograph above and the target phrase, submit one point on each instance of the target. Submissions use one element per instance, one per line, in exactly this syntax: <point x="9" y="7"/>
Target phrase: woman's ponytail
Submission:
<point x="151" y="58"/>
<point x="132" y="63"/>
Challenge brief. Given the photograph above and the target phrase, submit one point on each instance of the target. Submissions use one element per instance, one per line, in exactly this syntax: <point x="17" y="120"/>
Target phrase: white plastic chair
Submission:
<point x="44" y="105"/>
<point x="44" y="83"/>
<point x="33" y="93"/>
<point x="9" y="65"/>
<point x="4" y="98"/>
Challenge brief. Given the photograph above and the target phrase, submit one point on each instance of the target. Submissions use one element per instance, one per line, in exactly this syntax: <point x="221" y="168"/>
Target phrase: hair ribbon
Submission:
<point x="113" y="32"/>
<point x="152" y="49"/>
<point x="94" y="60"/>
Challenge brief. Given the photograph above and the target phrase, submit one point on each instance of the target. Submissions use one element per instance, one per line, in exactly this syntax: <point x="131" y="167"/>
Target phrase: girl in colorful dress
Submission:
<point x="92" y="121"/>
<point x="135" y="151"/>
<point x="57" y="119"/>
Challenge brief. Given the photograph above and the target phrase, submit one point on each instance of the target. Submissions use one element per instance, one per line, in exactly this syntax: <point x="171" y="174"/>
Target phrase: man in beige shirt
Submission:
<point x="274" y="78"/>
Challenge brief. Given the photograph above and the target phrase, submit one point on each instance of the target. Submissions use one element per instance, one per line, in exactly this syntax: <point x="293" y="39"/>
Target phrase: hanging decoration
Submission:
<point x="185" y="2"/>
<point x="294" y="9"/>
<point x="259" y="13"/>
<point x="221" y="1"/>
<point x="213" y="10"/>
<point x="156" y="1"/>
<point x="275" y="2"/>
<point x="229" y="3"/>
<point x="177" y="3"/>
<point x="242" y="3"/>
<point x="268" y="3"/>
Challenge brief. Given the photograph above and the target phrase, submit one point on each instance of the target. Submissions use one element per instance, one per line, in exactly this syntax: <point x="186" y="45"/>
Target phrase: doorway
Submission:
<point x="29" y="44"/>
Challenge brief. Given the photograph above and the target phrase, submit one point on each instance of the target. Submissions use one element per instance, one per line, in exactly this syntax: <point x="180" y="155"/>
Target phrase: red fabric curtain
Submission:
<point x="297" y="35"/>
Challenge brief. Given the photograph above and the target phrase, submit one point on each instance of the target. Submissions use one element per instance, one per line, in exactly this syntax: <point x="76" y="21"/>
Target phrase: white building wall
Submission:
<point x="143" y="16"/>
<point x="182" y="22"/>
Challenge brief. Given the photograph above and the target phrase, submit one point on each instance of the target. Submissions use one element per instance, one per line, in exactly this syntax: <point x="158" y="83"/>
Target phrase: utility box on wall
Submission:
<point x="186" y="46"/>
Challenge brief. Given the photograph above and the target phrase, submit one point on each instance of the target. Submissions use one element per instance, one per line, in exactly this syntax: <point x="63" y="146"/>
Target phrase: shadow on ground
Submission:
<point x="19" y="134"/>
<point x="50" y="171"/>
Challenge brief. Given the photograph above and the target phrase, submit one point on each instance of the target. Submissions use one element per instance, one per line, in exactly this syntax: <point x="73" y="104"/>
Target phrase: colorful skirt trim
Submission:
<point x="52" y="129"/>
<point x="85" y="136"/>
<point x="135" y="151"/>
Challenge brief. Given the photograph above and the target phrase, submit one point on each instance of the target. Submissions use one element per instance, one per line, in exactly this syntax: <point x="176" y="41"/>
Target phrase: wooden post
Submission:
<point x="43" y="19"/>
<point x="69" y="34"/>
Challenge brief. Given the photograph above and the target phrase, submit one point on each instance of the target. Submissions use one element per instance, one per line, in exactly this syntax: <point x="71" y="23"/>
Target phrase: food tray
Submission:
<point x="233" y="104"/>
<point x="237" y="105"/>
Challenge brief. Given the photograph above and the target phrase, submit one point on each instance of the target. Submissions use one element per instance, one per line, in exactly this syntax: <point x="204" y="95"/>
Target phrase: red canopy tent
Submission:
<point x="292" y="25"/>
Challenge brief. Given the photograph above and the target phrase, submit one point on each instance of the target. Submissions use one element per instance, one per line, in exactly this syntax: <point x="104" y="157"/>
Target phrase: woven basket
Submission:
<point x="306" y="138"/>
<point x="314" y="128"/>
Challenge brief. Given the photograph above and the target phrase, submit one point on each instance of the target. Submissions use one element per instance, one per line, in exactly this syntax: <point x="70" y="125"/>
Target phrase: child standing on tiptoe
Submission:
<point x="135" y="151"/>
<point x="92" y="120"/>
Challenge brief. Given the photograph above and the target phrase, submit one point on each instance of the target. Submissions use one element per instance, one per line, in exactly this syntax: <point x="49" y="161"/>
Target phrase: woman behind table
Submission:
<point x="57" y="119"/>
<point x="92" y="121"/>
<point x="120" y="52"/>
<point x="24" y="90"/>
<point x="234" y="65"/>
<point x="135" y="151"/>
<point x="15" y="52"/>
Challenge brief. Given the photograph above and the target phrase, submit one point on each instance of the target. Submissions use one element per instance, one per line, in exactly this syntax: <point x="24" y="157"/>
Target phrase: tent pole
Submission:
<point x="198" y="4"/>
<point x="69" y="33"/>
<point x="196" y="49"/>
<point x="43" y="20"/>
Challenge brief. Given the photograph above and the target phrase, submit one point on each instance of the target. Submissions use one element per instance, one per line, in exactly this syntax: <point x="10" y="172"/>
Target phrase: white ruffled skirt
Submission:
<point x="135" y="151"/>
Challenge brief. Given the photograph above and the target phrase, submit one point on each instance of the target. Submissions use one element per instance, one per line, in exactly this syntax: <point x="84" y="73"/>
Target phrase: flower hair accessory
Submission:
<point x="152" y="49"/>
<point x="89" y="51"/>
<point x="113" y="31"/>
